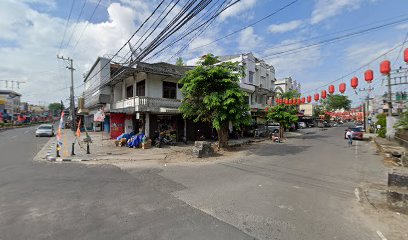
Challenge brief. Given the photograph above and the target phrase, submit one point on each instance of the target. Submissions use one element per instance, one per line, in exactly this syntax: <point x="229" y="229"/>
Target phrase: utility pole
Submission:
<point x="389" y="95"/>
<point x="366" y="105"/>
<point x="72" y="100"/>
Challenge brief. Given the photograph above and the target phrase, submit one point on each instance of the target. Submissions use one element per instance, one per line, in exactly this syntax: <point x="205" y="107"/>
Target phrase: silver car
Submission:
<point x="45" y="130"/>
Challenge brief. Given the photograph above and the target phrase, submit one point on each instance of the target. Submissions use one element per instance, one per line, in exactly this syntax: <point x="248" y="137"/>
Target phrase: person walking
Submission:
<point x="349" y="136"/>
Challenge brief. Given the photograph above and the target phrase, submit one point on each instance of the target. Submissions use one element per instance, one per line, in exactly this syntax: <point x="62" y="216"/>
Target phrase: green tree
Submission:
<point x="179" y="61"/>
<point x="403" y="121"/>
<point x="284" y="115"/>
<point x="55" y="108"/>
<point x="382" y="121"/>
<point x="211" y="93"/>
<point x="336" y="102"/>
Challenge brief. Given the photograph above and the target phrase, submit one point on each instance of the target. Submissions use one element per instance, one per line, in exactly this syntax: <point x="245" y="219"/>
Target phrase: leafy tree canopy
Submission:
<point x="403" y="121"/>
<point x="179" y="61"/>
<point x="336" y="102"/>
<point x="284" y="115"/>
<point x="211" y="93"/>
<point x="55" y="108"/>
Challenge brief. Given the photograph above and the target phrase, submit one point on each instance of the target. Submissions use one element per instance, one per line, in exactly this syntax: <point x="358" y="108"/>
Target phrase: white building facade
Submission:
<point x="144" y="98"/>
<point x="287" y="84"/>
<point x="258" y="82"/>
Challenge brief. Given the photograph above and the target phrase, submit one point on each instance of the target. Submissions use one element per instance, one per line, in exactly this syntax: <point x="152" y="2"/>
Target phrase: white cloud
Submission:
<point x="361" y="53"/>
<point x="293" y="63"/>
<point x="285" y="27"/>
<point x="248" y="40"/>
<point x="402" y="26"/>
<point x="324" y="9"/>
<point x="238" y="8"/>
<point x="30" y="40"/>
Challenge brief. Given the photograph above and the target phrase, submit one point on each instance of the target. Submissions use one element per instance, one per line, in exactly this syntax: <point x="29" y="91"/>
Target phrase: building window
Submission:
<point x="169" y="90"/>
<point x="140" y="88"/>
<point x="247" y="99"/>
<point x="129" y="91"/>
<point x="251" y="77"/>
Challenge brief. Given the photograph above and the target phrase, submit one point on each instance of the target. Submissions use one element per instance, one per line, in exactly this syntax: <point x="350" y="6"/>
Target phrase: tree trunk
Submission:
<point x="223" y="136"/>
<point x="281" y="131"/>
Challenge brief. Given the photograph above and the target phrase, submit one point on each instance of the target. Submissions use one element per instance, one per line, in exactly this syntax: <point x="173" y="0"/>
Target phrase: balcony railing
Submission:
<point x="149" y="104"/>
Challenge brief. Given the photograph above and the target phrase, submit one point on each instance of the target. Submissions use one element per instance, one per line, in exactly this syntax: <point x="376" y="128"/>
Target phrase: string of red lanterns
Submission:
<point x="385" y="69"/>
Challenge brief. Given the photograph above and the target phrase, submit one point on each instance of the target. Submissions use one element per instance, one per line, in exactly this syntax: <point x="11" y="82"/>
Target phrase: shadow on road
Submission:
<point x="277" y="149"/>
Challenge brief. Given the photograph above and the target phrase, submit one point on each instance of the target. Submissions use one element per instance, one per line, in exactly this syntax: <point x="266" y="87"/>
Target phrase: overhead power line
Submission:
<point x="76" y="23"/>
<point x="66" y="26"/>
<point x="124" y="45"/>
<point x="86" y="26"/>
<point x="334" y="39"/>
<point x="249" y="25"/>
<point x="355" y="70"/>
<point x="201" y="25"/>
<point x="179" y="20"/>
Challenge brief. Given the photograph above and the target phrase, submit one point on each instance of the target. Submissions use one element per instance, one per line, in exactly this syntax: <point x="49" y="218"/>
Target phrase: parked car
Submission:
<point x="310" y="124"/>
<point x="273" y="127"/>
<point x="261" y="131"/>
<point x="357" y="133"/>
<point x="360" y="126"/>
<point x="302" y="124"/>
<point x="45" y="130"/>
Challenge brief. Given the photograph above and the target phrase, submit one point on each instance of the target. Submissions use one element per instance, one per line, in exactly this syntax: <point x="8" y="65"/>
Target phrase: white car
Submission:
<point x="45" y="130"/>
<point x="302" y="124"/>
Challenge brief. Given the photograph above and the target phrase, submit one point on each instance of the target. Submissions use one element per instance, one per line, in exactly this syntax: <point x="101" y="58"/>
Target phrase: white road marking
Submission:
<point x="27" y="131"/>
<point x="13" y="136"/>
<point x="357" y="193"/>
<point x="381" y="235"/>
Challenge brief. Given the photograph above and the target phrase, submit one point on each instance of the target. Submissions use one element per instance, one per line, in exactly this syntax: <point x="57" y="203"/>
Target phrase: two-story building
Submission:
<point x="144" y="98"/>
<point x="258" y="83"/>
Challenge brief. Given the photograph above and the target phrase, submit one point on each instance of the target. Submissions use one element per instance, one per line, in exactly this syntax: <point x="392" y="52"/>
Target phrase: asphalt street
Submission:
<point x="304" y="188"/>
<point x="76" y="201"/>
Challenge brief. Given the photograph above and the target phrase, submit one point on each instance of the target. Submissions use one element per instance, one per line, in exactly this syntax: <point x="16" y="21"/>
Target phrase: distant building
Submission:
<point x="37" y="108"/>
<point x="287" y="84"/>
<point x="9" y="103"/>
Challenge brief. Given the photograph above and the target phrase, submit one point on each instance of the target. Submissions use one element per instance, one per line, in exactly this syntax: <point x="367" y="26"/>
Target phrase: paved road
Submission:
<point x="302" y="189"/>
<point x="74" y="201"/>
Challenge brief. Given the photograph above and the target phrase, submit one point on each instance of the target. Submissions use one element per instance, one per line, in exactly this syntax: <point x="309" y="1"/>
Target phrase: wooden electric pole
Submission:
<point x="72" y="100"/>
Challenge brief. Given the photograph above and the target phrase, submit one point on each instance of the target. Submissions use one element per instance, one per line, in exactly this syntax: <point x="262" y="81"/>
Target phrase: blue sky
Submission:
<point x="31" y="33"/>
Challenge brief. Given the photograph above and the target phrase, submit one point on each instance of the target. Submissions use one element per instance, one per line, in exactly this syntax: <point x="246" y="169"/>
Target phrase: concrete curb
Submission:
<point x="50" y="158"/>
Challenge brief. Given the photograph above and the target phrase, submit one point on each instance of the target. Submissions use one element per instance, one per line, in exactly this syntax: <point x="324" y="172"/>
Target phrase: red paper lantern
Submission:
<point x="385" y="67"/>
<point x="369" y="75"/>
<point x="324" y="94"/>
<point x="266" y="109"/>
<point x="286" y="101"/>
<point x="342" y="87"/>
<point x="309" y="99"/>
<point x="331" y="89"/>
<point x="316" y="97"/>
<point x="277" y="101"/>
<point x="354" y="82"/>
<point x="406" y="55"/>
<point x="290" y="101"/>
<point x="298" y="101"/>
<point x="303" y="100"/>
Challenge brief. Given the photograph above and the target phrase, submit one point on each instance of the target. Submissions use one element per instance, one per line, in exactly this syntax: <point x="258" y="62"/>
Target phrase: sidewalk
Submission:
<point x="389" y="147"/>
<point x="101" y="148"/>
